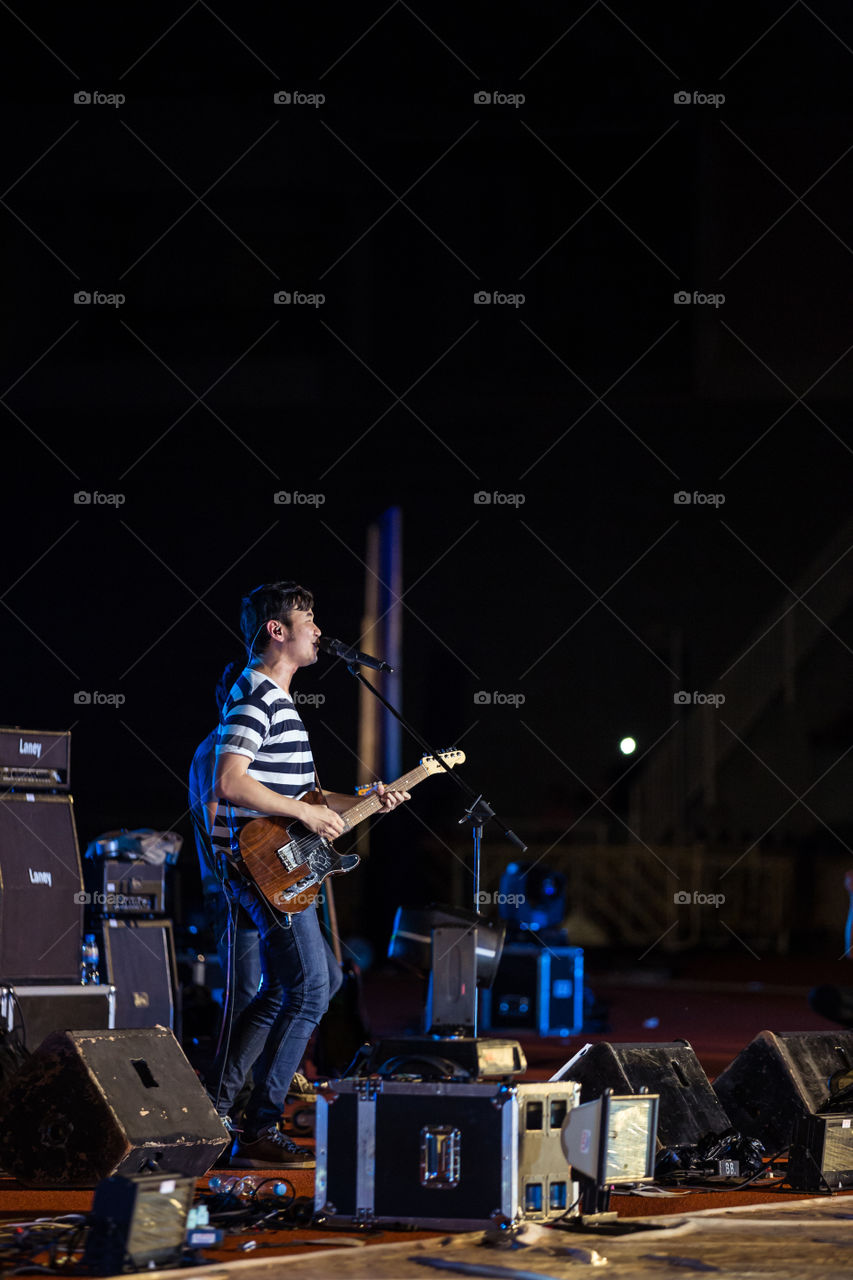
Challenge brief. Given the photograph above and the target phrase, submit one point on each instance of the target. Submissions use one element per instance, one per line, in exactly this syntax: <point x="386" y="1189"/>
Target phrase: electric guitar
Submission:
<point x="288" y="862"/>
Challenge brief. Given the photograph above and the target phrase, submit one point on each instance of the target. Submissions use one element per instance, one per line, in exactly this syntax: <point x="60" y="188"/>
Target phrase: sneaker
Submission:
<point x="271" y="1149"/>
<point x="301" y="1087"/>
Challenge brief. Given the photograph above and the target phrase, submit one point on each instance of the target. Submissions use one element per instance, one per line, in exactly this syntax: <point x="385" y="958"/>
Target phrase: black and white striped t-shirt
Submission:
<point x="260" y="721"/>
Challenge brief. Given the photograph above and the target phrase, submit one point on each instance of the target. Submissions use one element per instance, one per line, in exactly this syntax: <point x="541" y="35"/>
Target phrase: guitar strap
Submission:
<point x="328" y="914"/>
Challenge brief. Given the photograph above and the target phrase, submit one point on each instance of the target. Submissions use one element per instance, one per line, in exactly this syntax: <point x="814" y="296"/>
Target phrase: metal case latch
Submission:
<point x="441" y="1157"/>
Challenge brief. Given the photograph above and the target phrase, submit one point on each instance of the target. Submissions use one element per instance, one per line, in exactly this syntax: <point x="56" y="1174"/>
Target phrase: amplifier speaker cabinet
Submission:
<point x="442" y="1156"/>
<point x="89" y="1104"/>
<point x="140" y="962"/>
<point x="41" y="890"/>
<point x="35" y="759"/>
<point x="38" y="1011"/>
<point x="536" y="989"/>
<point x="689" y="1108"/>
<point x="780" y="1078"/>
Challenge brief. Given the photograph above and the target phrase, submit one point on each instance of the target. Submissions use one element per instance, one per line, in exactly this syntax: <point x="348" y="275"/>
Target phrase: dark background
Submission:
<point x="398" y="199"/>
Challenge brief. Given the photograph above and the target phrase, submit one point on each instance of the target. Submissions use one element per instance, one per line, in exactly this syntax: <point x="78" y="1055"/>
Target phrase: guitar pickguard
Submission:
<point x="315" y="858"/>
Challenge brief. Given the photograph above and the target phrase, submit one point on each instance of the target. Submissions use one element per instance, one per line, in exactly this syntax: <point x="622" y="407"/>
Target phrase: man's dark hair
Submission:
<point x="224" y="683"/>
<point x="271" y="600"/>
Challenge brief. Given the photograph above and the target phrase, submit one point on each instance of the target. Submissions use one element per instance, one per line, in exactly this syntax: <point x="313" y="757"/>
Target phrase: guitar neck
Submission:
<point x="372" y="804"/>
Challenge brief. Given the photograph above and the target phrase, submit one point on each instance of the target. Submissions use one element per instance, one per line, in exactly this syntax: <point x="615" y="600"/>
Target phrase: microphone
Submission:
<point x="352" y="656"/>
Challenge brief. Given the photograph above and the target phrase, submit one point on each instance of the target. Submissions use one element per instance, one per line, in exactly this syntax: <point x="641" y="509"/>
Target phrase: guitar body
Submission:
<point x="287" y="862"/>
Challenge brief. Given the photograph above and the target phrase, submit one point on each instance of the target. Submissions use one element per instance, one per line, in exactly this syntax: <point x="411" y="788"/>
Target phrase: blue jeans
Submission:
<point x="299" y="975"/>
<point x="244" y="971"/>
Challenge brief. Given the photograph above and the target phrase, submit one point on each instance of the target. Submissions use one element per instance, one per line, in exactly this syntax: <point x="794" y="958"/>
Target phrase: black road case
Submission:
<point x="439" y="1155"/>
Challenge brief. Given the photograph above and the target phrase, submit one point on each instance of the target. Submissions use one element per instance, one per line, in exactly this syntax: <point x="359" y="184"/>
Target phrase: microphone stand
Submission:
<point x="479" y="811"/>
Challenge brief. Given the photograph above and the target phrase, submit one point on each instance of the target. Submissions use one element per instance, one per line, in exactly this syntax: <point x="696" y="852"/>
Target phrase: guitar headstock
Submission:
<point x="450" y="758"/>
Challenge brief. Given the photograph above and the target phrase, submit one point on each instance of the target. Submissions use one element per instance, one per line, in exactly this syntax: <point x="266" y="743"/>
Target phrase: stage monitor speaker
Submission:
<point x="140" y="962"/>
<point x="779" y="1079"/>
<point x="89" y="1104"/>
<point x="41" y="890"/>
<point x="689" y="1108"/>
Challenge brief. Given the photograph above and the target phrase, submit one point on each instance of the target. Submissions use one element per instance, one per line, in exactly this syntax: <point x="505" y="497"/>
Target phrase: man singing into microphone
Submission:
<point x="263" y="766"/>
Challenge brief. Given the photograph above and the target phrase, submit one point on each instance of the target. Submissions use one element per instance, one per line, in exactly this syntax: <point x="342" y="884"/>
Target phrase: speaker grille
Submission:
<point x="140" y="961"/>
<point x="41" y="909"/>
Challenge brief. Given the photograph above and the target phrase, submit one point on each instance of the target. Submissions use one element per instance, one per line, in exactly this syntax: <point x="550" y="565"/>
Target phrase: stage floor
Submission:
<point x="766" y="1231"/>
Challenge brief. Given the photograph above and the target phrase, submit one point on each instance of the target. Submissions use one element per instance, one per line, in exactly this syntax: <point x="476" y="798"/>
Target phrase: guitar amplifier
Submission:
<point x="139" y="958"/>
<point x="35" y="759"/>
<point x="125" y="888"/>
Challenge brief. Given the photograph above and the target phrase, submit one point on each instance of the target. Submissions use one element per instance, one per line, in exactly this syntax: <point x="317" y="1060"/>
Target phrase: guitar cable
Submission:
<point x="227" y="1025"/>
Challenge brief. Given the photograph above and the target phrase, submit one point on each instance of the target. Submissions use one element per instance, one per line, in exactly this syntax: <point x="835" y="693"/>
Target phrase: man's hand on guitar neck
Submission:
<point x="389" y="799"/>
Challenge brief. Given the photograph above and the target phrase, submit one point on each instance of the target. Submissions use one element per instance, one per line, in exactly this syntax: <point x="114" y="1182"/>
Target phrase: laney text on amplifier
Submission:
<point x="35" y="759"/>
